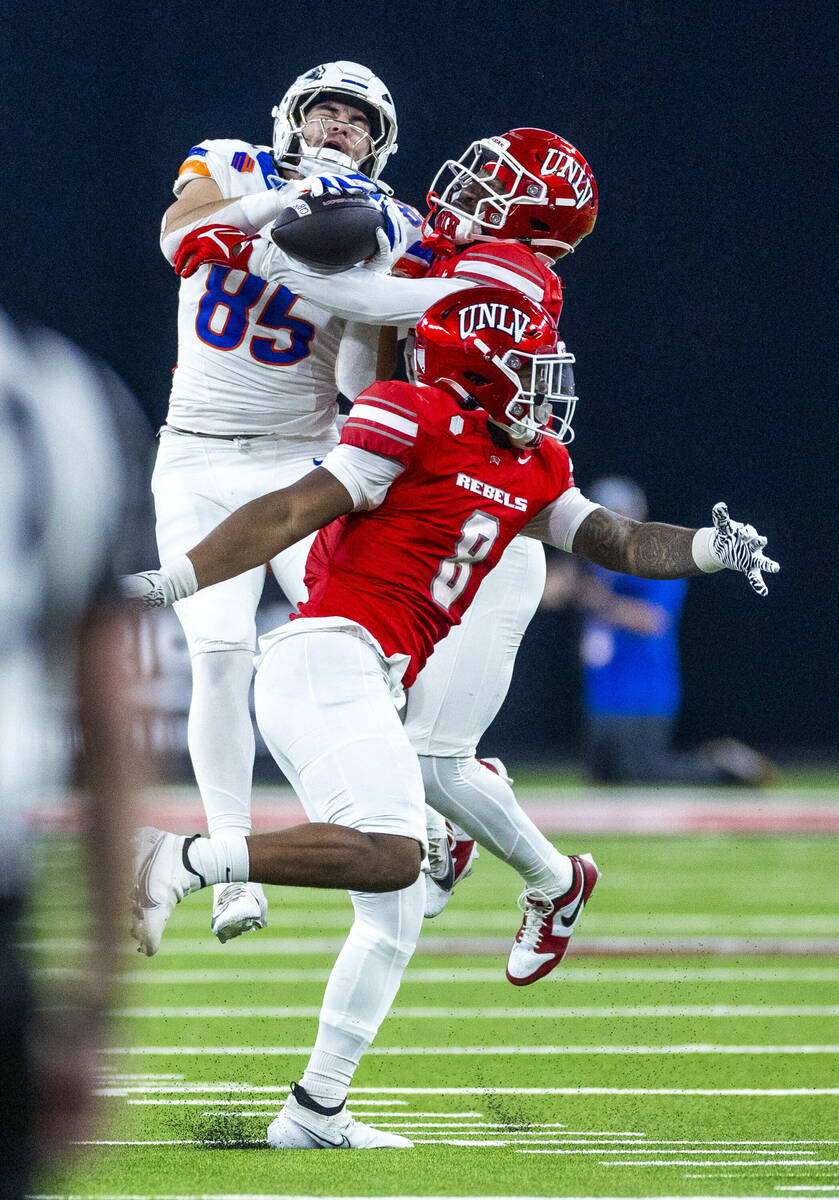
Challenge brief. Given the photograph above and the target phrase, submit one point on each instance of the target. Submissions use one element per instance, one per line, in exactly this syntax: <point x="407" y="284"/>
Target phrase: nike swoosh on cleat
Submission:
<point x="566" y="922"/>
<point x="344" y="1143"/>
<point x="447" y="882"/>
<point x="141" y="889"/>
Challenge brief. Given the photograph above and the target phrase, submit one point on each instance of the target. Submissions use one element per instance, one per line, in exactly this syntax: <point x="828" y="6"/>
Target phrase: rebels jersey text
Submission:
<point x="408" y="569"/>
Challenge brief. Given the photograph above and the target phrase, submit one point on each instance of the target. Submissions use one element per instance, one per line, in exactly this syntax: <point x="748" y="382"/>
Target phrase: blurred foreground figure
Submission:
<point x="632" y="689"/>
<point x="63" y="497"/>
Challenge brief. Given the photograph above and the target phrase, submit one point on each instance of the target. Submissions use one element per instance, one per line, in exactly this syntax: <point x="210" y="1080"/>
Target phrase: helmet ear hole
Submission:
<point x="478" y="380"/>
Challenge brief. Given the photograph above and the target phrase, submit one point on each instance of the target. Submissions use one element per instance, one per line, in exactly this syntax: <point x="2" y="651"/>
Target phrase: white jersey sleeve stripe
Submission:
<point x="477" y="256"/>
<point x="377" y="429"/>
<point x="380" y="402"/>
<point x="492" y="270"/>
<point x="379" y="416"/>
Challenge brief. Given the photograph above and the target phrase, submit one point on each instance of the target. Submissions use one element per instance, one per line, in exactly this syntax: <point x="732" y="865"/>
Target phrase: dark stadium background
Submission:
<point x="699" y="309"/>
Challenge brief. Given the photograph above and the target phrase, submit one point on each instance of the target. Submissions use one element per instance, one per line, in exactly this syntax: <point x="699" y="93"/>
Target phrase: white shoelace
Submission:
<point x="537" y="907"/>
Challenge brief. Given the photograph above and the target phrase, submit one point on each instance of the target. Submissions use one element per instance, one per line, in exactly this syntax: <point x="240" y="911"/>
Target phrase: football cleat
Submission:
<point x="450" y="859"/>
<point x="548" y="924"/>
<point x="238" y="908"/>
<point x="162" y="877"/>
<point x="301" y="1127"/>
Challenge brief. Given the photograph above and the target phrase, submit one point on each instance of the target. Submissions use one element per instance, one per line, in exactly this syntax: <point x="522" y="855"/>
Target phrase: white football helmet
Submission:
<point x="351" y="83"/>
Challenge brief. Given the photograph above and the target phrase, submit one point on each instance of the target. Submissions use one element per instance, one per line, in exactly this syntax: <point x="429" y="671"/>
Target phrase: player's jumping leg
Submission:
<point x="221" y="747"/>
<point x="324" y="708"/>
<point x="453" y="702"/>
<point x="360" y="991"/>
<point x="197" y="482"/>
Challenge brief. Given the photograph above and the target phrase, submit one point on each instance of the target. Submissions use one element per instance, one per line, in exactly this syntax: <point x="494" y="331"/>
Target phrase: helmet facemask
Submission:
<point x="528" y="185"/>
<point x="544" y="394"/>
<point x="481" y="189"/>
<point x="345" y="83"/>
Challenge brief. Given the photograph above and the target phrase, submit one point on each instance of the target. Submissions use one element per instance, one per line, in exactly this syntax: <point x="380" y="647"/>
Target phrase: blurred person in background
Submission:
<point x="631" y="669"/>
<point x="64" y="495"/>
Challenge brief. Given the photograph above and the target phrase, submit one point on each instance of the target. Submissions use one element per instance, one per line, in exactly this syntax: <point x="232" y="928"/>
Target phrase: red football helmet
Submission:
<point x="529" y="185"/>
<point x="498" y="349"/>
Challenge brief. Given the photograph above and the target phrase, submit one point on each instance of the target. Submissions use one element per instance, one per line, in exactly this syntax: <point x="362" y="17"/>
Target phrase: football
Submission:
<point x="329" y="231"/>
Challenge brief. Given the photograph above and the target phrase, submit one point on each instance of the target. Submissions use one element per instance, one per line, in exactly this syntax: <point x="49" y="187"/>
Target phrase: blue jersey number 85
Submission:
<point x="226" y="332"/>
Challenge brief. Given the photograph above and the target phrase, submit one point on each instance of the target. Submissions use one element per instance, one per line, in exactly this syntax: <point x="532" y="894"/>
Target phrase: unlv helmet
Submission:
<point x="352" y="84"/>
<point x="498" y="349"/>
<point x="529" y="185"/>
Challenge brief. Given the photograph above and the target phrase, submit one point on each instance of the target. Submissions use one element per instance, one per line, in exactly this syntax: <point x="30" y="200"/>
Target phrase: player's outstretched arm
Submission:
<point x="250" y="537"/>
<point x="656" y="551"/>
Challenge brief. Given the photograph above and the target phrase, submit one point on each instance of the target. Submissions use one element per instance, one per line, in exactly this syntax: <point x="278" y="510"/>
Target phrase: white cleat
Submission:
<point x="162" y="877"/>
<point x="549" y="922"/>
<point x="299" y="1127"/>
<point x="238" y="908"/>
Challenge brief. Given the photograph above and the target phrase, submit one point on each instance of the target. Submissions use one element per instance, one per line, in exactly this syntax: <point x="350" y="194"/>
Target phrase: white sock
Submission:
<point x="362" y="986"/>
<point x="221" y="859"/>
<point x="484" y="805"/>
<point x="221" y="737"/>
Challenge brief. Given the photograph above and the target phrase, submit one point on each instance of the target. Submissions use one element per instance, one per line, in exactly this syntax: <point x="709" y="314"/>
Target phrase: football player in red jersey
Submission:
<point x="501" y="214"/>
<point x="416" y="504"/>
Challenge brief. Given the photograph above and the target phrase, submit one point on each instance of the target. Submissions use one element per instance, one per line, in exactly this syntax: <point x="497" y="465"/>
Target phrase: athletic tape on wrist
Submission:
<point x="701" y="550"/>
<point x="181" y="575"/>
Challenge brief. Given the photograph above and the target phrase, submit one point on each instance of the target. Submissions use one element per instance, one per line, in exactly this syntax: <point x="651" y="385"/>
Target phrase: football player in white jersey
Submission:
<point x="254" y="402"/>
<point x="503" y="212"/>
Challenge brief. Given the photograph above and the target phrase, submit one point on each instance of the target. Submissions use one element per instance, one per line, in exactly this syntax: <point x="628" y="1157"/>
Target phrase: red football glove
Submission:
<point x="221" y="245"/>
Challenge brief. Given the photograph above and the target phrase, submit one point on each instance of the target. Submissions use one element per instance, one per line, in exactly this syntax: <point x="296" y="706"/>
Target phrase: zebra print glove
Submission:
<point x="735" y="546"/>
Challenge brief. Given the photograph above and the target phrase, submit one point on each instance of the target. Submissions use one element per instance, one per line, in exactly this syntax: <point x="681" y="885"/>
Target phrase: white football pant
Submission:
<point x="455" y="699"/>
<point x="324" y="707"/>
<point x="197" y="483"/>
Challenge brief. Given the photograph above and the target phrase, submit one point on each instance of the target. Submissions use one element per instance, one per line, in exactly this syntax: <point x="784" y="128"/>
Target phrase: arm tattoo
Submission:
<point x="651" y="550"/>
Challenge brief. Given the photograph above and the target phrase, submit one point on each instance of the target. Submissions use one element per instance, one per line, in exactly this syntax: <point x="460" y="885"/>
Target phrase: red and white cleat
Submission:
<point x="548" y="924"/>
<point x="450" y="859"/>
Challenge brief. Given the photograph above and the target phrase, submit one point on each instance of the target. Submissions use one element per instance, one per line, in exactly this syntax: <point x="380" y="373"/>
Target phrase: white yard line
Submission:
<point x="687" y="1162"/>
<point x="675" y="946"/>
<point x="279" y="1196"/>
<point x="448" y="1013"/>
<point x="188" y="922"/>
<point x="246" y="1100"/>
<point x="482" y="1051"/>
<point x="247" y="1089"/>
<point x="459" y="975"/>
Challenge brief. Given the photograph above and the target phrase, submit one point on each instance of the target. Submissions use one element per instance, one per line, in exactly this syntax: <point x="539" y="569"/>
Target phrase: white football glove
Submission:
<point x="160" y="589"/>
<point x="393" y="240"/>
<point x="735" y="546"/>
<point x="352" y="184"/>
<point x="148" y="589"/>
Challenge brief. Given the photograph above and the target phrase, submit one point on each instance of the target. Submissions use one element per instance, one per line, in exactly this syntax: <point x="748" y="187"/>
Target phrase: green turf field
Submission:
<point x="643" y="1075"/>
